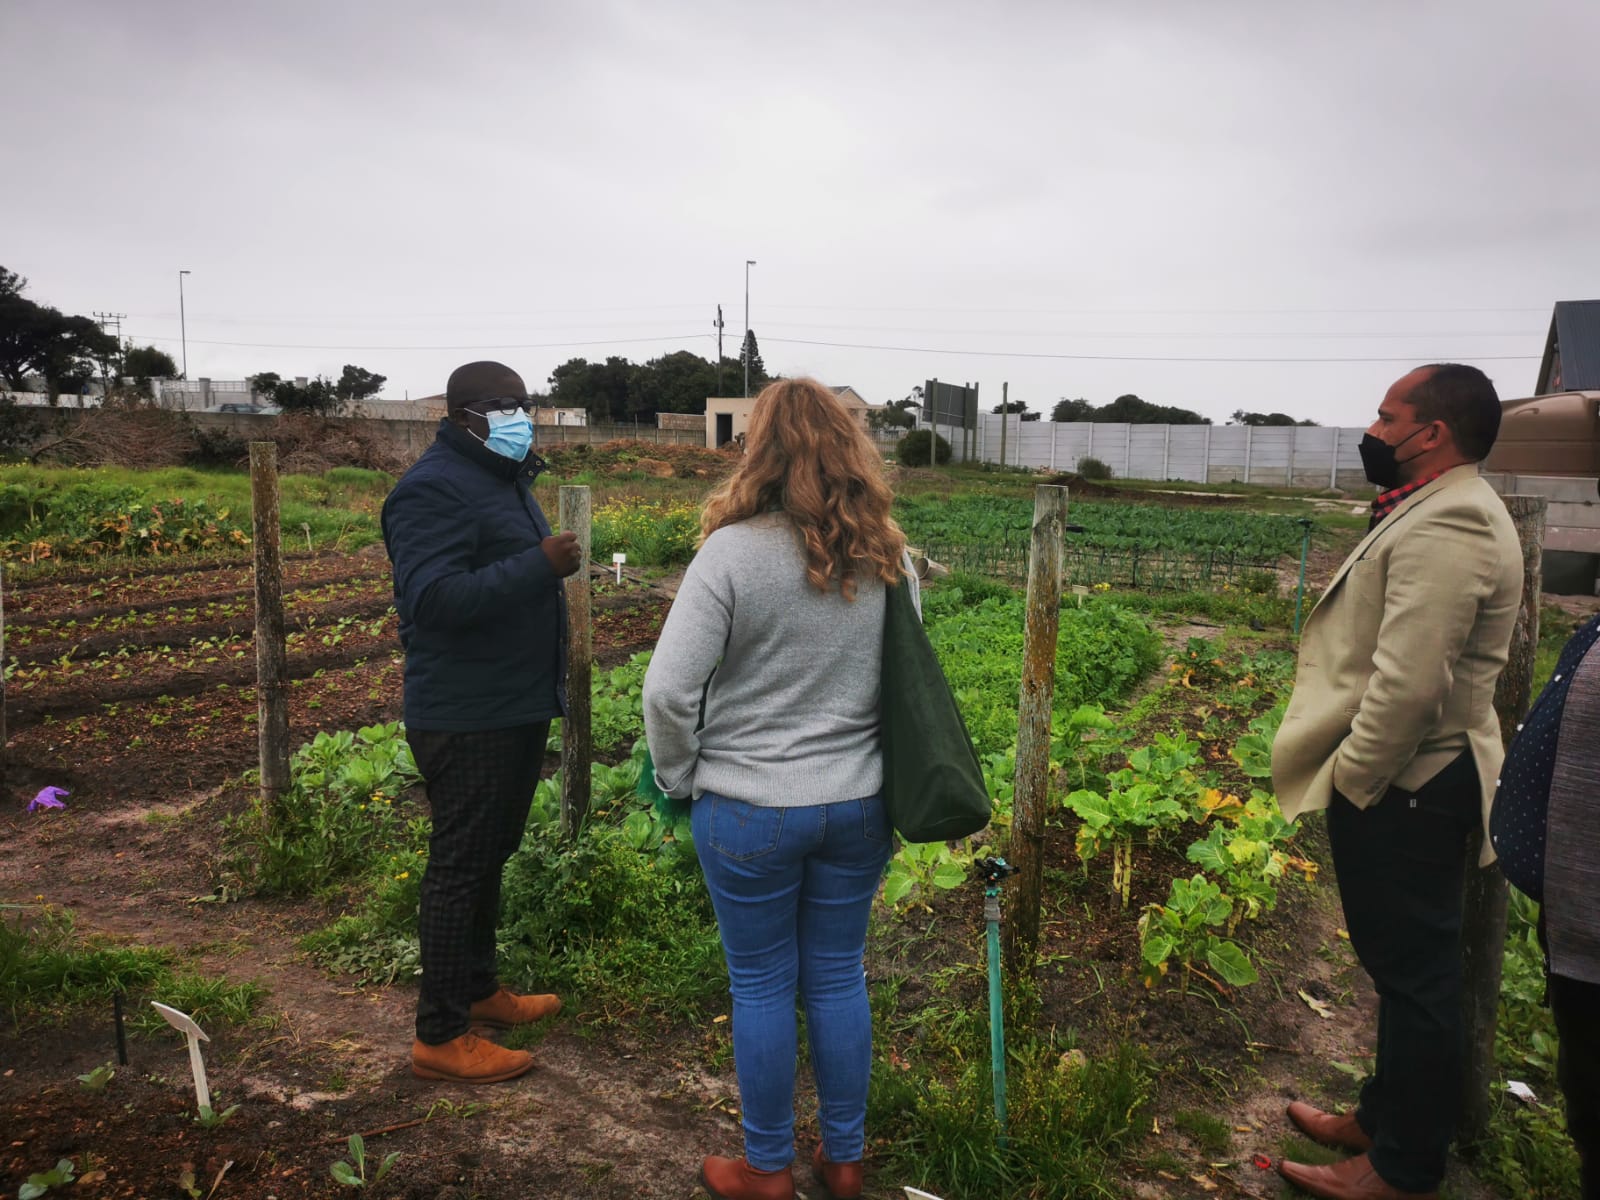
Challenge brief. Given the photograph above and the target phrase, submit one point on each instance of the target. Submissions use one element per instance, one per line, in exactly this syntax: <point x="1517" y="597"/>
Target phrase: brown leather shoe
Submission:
<point x="1341" y="1132"/>
<point x="736" y="1179"/>
<point x="1352" y="1179"/>
<point x="468" y="1059"/>
<point x="842" y="1181"/>
<point x="505" y="1008"/>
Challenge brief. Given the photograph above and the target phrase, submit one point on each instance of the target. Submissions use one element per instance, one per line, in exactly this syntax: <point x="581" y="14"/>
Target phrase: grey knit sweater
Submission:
<point x="789" y="675"/>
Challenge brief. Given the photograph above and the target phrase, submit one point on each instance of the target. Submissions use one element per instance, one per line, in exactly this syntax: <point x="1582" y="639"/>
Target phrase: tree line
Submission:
<point x="67" y="352"/>
<point x="617" y="390"/>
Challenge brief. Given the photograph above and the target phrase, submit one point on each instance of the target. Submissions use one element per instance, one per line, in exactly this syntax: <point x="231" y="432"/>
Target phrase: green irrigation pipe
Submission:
<point x="994" y="871"/>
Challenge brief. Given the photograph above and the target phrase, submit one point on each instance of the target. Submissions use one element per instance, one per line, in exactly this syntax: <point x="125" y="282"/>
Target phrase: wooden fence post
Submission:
<point x="1483" y="918"/>
<point x="3" y="735"/>
<point x="272" y="659"/>
<point x="577" y="735"/>
<point x="1033" y="726"/>
<point x="1005" y="389"/>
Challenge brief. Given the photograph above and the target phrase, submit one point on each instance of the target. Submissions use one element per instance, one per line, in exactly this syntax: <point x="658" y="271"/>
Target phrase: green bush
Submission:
<point x="336" y="817"/>
<point x="913" y="449"/>
<point x="1093" y="468"/>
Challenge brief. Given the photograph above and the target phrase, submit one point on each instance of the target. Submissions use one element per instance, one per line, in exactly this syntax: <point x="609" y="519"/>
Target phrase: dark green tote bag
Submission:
<point x="933" y="786"/>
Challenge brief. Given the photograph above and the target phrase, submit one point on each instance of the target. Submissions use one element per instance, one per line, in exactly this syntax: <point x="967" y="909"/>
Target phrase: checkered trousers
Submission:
<point x="480" y="786"/>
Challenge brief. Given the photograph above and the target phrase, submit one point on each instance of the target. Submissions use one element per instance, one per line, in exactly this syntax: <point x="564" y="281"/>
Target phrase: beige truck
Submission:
<point x="1550" y="446"/>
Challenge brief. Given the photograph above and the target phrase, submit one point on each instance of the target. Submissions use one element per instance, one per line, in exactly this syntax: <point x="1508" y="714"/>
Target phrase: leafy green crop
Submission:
<point x="1154" y="790"/>
<point x="962" y="519"/>
<point x="1101" y="654"/>
<point x="1180" y="931"/>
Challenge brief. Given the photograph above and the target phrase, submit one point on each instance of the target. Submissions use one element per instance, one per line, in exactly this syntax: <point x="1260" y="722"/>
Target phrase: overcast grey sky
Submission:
<point x="1065" y="192"/>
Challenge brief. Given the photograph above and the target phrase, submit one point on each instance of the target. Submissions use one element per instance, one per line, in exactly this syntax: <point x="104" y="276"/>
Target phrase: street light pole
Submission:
<point x="745" y="353"/>
<point x="183" y="326"/>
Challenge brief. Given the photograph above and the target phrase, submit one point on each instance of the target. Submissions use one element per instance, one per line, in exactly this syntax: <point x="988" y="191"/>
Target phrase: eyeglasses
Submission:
<point x="503" y="406"/>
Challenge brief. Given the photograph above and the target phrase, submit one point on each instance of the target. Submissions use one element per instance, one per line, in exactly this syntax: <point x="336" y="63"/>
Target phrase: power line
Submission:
<point x="683" y="337"/>
<point x="1271" y="335"/>
<point x="1161" y="312"/>
<point x="1410" y="358"/>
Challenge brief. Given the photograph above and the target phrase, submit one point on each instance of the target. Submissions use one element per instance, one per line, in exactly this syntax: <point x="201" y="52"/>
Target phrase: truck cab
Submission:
<point x="1550" y="446"/>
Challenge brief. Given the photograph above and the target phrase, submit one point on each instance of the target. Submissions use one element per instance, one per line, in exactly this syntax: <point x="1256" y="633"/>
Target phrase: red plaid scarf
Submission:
<point x="1386" y="502"/>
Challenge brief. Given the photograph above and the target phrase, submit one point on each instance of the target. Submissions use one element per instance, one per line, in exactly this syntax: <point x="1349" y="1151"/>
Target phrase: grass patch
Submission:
<point x="1070" y="1123"/>
<point x="1526" y="1151"/>
<point x="46" y="968"/>
<point x="1234" y="607"/>
<point x="1212" y="1134"/>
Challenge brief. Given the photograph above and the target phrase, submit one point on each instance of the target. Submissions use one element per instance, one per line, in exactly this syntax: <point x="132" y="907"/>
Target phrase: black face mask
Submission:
<point x="1379" y="462"/>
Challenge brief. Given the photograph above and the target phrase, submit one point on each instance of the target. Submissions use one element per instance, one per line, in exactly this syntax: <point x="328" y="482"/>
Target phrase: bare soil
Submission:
<point x="152" y="755"/>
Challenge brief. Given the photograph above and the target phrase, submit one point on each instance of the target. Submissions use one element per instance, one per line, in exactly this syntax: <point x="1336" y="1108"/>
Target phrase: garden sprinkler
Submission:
<point x="994" y="872"/>
<point x="185" y="1025"/>
<point x="1305" y="549"/>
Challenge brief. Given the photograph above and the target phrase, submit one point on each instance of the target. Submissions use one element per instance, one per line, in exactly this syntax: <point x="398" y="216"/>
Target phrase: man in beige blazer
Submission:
<point x="1392" y="730"/>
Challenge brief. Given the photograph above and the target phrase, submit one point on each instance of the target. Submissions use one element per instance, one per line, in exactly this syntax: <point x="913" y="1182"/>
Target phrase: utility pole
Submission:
<point x="108" y="319"/>
<point x="718" y="324"/>
<point x="183" y="326"/>
<point x="745" y="354"/>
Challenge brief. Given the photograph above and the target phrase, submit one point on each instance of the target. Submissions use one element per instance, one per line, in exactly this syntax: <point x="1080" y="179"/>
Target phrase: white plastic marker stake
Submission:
<point x="919" y="1194"/>
<point x="185" y="1025"/>
<point x="617" y="560"/>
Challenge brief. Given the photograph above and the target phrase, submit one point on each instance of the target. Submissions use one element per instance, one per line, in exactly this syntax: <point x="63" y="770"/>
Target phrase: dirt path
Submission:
<point x="608" y="1113"/>
<point x="604" y="1115"/>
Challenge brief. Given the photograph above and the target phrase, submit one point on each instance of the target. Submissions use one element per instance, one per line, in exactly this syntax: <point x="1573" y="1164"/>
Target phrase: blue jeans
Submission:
<point x="792" y="889"/>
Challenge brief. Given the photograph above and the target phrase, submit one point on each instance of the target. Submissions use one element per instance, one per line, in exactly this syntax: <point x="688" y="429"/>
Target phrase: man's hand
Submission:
<point x="563" y="552"/>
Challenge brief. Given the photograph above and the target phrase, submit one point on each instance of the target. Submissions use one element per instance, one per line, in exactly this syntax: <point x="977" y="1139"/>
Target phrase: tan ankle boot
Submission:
<point x="736" y="1179"/>
<point x="505" y="1008"/>
<point x="468" y="1059"/>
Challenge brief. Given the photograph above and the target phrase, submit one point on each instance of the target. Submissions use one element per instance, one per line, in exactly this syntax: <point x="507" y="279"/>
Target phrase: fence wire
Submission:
<point x="1142" y="568"/>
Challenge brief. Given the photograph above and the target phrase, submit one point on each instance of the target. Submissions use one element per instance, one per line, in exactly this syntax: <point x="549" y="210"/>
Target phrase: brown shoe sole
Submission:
<point x="445" y="1077"/>
<point x="502" y="1026"/>
<point x="497" y="1023"/>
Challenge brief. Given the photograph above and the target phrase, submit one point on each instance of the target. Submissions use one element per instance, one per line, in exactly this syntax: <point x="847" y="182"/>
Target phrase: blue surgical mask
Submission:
<point x="510" y="434"/>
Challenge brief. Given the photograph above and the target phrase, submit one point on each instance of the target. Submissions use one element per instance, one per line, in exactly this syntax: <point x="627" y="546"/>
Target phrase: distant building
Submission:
<point x="432" y="408"/>
<point x="681" y="421"/>
<point x="1572" y="349"/>
<point x="727" y="417"/>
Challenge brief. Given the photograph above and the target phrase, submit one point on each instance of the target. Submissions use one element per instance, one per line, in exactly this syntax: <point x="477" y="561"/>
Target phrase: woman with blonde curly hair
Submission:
<point x="761" y="703"/>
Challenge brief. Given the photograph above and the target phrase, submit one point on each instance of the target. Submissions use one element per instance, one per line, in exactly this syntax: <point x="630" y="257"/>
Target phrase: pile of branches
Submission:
<point x="139" y="435"/>
<point x="118" y="436"/>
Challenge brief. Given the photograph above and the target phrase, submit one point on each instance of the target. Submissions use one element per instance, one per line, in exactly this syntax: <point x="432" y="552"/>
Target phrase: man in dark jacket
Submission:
<point x="477" y="582"/>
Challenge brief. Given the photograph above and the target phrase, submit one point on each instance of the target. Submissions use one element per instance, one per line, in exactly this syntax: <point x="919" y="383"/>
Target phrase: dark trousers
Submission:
<point x="1401" y="869"/>
<point x="1576" y="1008"/>
<point x="480" y="786"/>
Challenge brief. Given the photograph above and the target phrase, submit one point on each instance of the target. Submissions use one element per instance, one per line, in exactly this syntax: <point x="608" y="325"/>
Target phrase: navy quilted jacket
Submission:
<point x="483" y="618"/>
